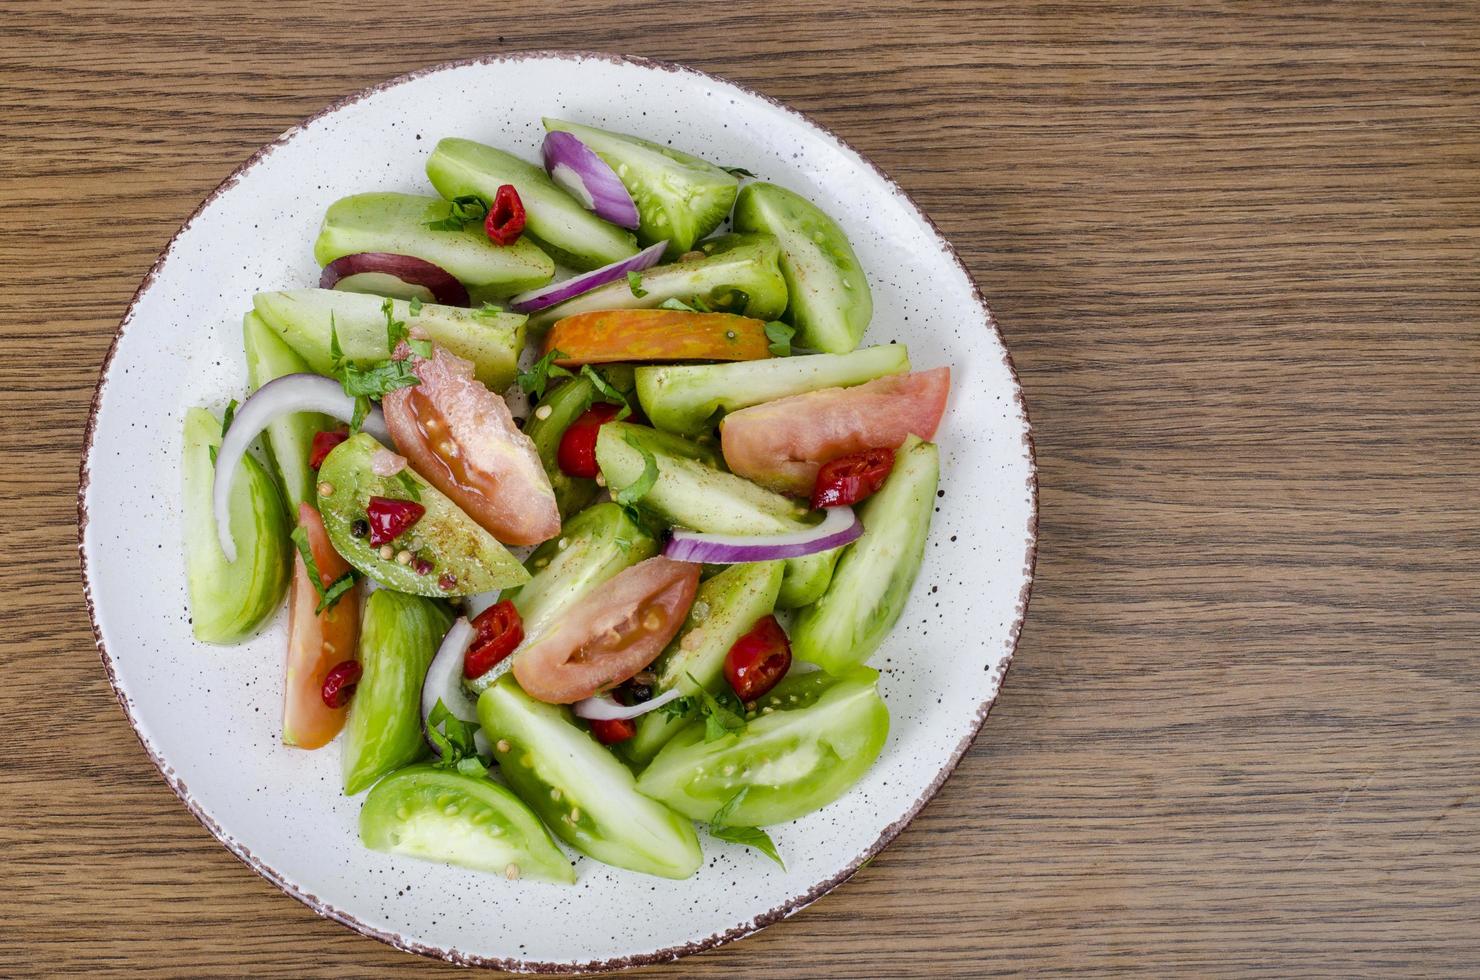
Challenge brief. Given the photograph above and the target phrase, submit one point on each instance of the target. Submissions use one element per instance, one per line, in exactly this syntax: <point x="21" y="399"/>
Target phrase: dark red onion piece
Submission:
<point x="576" y="169"/>
<point x="443" y="285"/>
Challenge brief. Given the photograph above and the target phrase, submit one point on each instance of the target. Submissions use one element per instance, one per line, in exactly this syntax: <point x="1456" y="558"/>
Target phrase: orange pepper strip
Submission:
<point x="605" y="336"/>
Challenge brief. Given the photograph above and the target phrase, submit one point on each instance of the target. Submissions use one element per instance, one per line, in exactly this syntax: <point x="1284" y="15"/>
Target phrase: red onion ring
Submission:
<point x="280" y="396"/>
<point x="841" y="526"/>
<point x="581" y="173"/>
<point x="559" y="292"/>
<point x="443" y="285"/>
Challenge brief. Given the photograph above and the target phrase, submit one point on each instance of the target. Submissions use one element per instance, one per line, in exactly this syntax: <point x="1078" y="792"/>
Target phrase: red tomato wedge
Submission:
<point x="462" y="438"/>
<point x="783" y="443"/>
<point x="656" y="335"/>
<point x="612" y="634"/>
<point x="317" y="642"/>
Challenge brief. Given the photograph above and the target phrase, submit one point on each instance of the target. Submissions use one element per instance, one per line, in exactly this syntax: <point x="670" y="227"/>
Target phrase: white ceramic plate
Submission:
<point x="209" y="716"/>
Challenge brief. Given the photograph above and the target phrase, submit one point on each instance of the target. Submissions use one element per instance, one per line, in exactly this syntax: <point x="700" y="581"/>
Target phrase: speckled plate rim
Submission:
<point x="669" y="954"/>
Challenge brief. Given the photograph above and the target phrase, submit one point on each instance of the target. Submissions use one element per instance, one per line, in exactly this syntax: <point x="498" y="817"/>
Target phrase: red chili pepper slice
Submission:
<point x="610" y="731"/>
<point x="323" y="444"/>
<point x="339" y="683"/>
<point x="758" y="660"/>
<point x="500" y="630"/>
<point x="577" y="452"/>
<point x="849" y="479"/>
<point x="389" y="518"/>
<point x="505" y="221"/>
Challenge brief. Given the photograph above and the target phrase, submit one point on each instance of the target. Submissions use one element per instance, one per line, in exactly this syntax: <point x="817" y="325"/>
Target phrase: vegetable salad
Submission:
<point x="589" y="517"/>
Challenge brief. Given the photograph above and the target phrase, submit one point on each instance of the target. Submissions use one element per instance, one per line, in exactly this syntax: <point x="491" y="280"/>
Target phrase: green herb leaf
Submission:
<point x="634" y="283"/>
<point x="489" y="310"/>
<point x="608" y="391"/>
<point x="456" y="742"/>
<point x="679" y="708"/>
<point x="328" y="597"/>
<point x="537" y="377"/>
<point x="362" y="409"/>
<point x="408" y="483"/>
<point x="780" y="334"/>
<point x="395" y="330"/>
<point x="750" y="837"/>
<point x="415" y="306"/>
<point x="212" y="451"/>
<point x="377" y="380"/>
<point x="719" y="719"/>
<point x="674" y="303"/>
<point x="229" y="416"/>
<point x="632" y="493"/>
<point x="737" y="171"/>
<point x="720" y="827"/>
<point x="461" y="211"/>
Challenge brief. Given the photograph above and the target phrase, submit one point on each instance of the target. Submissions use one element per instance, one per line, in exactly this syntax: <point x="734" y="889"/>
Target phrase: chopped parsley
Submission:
<point x="632" y="493"/>
<point x="634" y="283"/>
<point x="462" y="211"/>
<point x="780" y="334"/>
<point x="327" y="596"/>
<point x="720" y="827"/>
<point x="456" y="742"/>
<point x="719" y="718"/>
<point x="608" y="391"/>
<point x="538" y="376"/>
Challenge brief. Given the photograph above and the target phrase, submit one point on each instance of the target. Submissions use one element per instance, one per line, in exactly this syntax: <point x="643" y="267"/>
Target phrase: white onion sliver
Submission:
<point x="281" y="396"/>
<point x="605" y="709"/>
<point x="443" y="681"/>
<point x="841" y="526"/>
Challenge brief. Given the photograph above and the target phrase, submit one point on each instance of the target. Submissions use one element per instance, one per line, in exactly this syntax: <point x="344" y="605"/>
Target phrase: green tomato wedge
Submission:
<point x="398" y="638"/>
<point x="599" y="542"/>
<point x="680" y="198"/>
<point x="449" y="539"/>
<point x="289" y="438"/>
<point x="554" y="219"/>
<point x="812" y="738"/>
<point x="229" y="600"/>
<point x="567" y="402"/>
<point x="583" y="793"/>
<point x="473" y="822"/>
<point x="876" y="572"/>
<point x="830" y="300"/>
<point x="307" y="318"/>
<point x="693" y="494"/>
<point x="738" y="274"/>
<point x="399" y="223"/>
<point x="725" y="609"/>
<point x="685" y="398"/>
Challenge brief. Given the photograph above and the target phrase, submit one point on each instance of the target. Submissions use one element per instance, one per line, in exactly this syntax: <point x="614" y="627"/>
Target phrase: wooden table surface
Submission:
<point x="1235" y="250"/>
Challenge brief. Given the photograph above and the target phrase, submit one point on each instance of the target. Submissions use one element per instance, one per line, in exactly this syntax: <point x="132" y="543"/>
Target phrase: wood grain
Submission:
<point x="1235" y="249"/>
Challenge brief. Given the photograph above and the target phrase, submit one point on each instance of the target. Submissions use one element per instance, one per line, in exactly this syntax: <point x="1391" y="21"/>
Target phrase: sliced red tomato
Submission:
<point x="758" y="660"/>
<point x="577" y="452"/>
<point x="844" y="481"/>
<point x="656" y="335"/>
<point x="317" y="642"/>
<point x="462" y="438"/>
<point x="782" y="444"/>
<point x="500" y="630"/>
<point x="612" y="634"/>
<point x="610" y="731"/>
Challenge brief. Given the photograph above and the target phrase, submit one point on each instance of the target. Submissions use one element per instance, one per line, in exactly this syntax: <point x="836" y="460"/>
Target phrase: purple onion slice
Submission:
<point x="841" y="526"/>
<point x="559" y="292"/>
<point x="445" y="288"/>
<point x="576" y="169"/>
